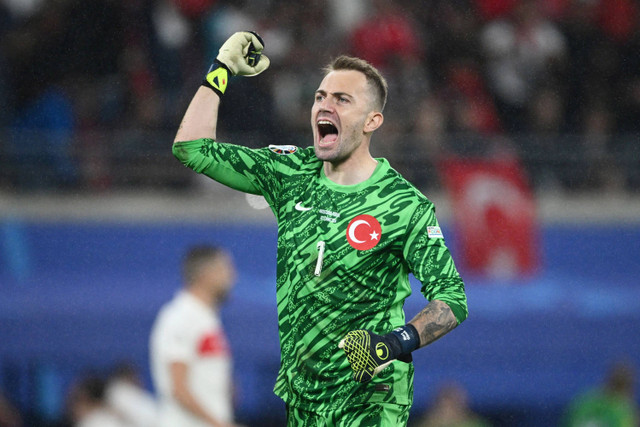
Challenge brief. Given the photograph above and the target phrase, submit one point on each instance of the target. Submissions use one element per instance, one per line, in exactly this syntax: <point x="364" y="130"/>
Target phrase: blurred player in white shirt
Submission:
<point x="87" y="406"/>
<point x="126" y="395"/>
<point x="190" y="357"/>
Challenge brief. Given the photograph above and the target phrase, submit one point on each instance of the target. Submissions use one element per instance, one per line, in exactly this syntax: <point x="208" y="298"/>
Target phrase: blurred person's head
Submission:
<point x="126" y="371"/>
<point x="597" y="119"/>
<point x="546" y="111"/>
<point x="86" y="395"/>
<point x="452" y="399"/>
<point x="209" y="272"/>
<point x="347" y="109"/>
<point x="9" y="414"/>
<point x="582" y="13"/>
<point x="621" y="379"/>
<point x="431" y="118"/>
<point x="527" y="12"/>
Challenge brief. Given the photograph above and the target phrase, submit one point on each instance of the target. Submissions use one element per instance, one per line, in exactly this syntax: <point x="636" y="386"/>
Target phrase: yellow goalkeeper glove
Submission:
<point x="240" y="55"/>
<point x="369" y="353"/>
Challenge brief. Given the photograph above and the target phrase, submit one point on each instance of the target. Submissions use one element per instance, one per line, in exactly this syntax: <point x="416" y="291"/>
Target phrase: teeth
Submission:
<point x="325" y="122"/>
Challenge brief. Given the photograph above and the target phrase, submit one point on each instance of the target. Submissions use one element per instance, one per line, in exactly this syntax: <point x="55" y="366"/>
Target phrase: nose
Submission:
<point x="325" y="105"/>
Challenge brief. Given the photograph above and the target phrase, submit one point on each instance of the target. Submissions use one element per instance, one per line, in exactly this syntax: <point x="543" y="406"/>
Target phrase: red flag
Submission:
<point x="494" y="212"/>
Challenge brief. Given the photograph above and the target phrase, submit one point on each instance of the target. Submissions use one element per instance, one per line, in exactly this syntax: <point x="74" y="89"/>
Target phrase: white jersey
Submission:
<point x="132" y="403"/>
<point x="100" y="417"/>
<point x="186" y="330"/>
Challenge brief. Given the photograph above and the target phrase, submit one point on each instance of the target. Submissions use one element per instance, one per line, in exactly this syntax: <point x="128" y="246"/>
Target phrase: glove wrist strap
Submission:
<point x="217" y="78"/>
<point x="408" y="337"/>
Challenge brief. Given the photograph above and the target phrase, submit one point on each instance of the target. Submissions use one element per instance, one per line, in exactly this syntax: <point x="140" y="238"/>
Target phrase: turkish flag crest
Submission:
<point x="363" y="232"/>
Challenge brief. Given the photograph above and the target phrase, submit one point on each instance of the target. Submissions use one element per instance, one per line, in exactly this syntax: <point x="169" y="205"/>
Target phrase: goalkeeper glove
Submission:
<point x="368" y="353"/>
<point x="240" y="55"/>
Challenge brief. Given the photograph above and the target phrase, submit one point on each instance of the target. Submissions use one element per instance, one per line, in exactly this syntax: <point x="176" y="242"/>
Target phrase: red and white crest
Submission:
<point x="364" y="232"/>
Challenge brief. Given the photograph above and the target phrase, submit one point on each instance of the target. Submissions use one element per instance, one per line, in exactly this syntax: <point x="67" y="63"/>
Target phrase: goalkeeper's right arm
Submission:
<point x="369" y="353"/>
<point x="240" y="55"/>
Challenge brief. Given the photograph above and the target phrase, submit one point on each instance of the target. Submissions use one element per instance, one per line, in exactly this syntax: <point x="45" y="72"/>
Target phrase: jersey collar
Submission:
<point x="380" y="170"/>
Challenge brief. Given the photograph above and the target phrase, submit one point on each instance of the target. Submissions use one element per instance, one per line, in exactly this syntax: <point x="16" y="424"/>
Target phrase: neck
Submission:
<point x="353" y="170"/>
<point x="202" y="295"/>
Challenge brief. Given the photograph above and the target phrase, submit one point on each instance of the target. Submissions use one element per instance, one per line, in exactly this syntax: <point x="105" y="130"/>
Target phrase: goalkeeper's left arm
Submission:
<point x="369" y="353"/>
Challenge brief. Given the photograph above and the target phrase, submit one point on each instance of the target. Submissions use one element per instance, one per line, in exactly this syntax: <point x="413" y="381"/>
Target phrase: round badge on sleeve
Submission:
<point x="363" y="232"/>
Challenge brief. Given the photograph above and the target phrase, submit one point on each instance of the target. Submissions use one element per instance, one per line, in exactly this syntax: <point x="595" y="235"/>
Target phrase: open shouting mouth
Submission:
<point x="327" y="132"/>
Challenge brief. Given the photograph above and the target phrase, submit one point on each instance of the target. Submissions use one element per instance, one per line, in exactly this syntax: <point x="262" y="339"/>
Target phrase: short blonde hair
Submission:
<point x="375" y="80"/>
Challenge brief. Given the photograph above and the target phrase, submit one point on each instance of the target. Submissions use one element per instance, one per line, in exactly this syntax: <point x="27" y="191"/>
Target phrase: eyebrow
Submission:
<point x="334" y="94"/>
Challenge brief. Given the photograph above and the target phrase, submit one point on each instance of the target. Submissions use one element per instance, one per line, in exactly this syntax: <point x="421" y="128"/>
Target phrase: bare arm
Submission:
<point x="179" y="374"/>
<point x="201" y="117"/>
<point x="369" y="353"/>
<point x="433" y="322"/>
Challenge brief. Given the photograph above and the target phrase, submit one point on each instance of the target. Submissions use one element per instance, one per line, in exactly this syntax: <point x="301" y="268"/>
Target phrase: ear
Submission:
<point x="374" y="121"/>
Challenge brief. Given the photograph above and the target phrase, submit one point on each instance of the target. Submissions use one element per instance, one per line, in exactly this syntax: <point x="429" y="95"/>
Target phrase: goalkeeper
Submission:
<point x="350" y="230"/>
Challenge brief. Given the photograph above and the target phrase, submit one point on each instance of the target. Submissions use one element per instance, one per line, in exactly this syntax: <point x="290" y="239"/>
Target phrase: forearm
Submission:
<point x="201" y="117"/>
<point x="181" y="392"/>
<point x="433" y="322"/>
<point x="369" y="353"/>
<point x="188" y="401"/>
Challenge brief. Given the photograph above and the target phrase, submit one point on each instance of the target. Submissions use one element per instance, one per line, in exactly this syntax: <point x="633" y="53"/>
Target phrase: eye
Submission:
<point x="343" y="100"/>
<point x="319" y="97"/>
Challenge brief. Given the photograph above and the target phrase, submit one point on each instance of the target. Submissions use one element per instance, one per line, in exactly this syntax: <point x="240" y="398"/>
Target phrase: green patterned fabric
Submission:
<point x="368" y="415"/>
<point x="344" y="258"/>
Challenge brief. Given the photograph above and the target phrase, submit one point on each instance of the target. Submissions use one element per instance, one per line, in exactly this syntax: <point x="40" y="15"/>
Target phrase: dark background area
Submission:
<point x="93" y="91"/>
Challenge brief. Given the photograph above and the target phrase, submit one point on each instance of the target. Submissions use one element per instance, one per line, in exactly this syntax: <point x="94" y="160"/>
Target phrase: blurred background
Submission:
<point x="519" y="119"/>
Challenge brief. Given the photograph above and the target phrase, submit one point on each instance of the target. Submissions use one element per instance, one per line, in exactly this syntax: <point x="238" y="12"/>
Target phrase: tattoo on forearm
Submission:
<point x="434" y="321"/>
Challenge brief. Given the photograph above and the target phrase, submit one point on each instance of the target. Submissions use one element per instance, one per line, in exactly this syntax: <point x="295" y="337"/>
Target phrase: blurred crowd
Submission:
<point x="113" y="398"/>
<point x="119" y="398"/>
<point x="91" y="84"/>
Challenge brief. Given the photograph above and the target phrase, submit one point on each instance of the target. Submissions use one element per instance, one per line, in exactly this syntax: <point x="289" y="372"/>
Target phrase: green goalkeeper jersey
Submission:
<point x="343" y="263"/>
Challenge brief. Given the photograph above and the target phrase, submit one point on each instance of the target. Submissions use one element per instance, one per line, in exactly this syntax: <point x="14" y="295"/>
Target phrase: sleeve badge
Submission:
<point x="434" y="233"/>
<point x="283" y="149"/>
